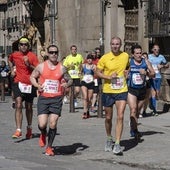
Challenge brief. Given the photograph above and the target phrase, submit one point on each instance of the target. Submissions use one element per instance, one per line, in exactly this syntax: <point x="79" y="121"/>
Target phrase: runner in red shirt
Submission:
<point x="24" y="61"/>
<point x="50" y="77"/>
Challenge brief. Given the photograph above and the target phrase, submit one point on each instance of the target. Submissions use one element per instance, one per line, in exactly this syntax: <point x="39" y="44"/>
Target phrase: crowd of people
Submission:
<point x="126" y="80"/>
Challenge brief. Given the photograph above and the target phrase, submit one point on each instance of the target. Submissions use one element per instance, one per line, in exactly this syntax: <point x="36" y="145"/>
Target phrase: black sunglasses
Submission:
<point x="22" y="44"/>
<point x="53" y="52"/>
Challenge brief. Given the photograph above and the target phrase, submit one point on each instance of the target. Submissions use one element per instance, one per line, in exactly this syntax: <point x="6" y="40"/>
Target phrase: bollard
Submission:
<point x="72" y="109"/>
<point x="100" y="106"/>
<point x="3" y="90"/>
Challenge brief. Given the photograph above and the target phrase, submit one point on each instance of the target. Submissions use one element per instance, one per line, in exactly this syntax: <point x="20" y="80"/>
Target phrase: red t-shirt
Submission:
<point x="23" y="72"/>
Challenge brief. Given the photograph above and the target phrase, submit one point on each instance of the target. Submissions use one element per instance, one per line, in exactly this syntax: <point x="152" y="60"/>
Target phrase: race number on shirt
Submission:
<point x="117" y="83"/>
<point x="51" y="86"/>
<point x="137" y="79"/>
<point x="88" y="78"/>
<point x="25" y="88"/>
<point x="73" y="73"/>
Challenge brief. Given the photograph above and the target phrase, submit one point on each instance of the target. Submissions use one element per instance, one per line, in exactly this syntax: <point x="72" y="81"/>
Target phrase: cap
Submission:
<point x="25" y="40"/>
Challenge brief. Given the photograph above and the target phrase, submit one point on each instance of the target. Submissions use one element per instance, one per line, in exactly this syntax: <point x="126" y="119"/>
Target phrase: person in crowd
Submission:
<point x="148" y="91"/>
<point x="112" y="68"/>
<point x="73" y="62"/>
<point x="158" y="62"/>
<point x="4" y="74"/>
<point x="48" y="77"/>
<point x="97" y="81"/>
<point x="11" y="77"/>
<point x="139" y="68"/>
<point x="87" y="84"/>
<point x="24" y="61"/>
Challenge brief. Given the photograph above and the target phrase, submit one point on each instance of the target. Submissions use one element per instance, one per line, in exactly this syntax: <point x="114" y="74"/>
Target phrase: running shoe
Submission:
<point x="155" y="113"/>
<point x="42" y="140"/>
<point x="109" y="145"/>
<point x="17" y="134"/>
<point x="117" y="150"/>
<point x="49" y="151"/>
<point x="29" y="133"/>
<point x="84" y="116"/>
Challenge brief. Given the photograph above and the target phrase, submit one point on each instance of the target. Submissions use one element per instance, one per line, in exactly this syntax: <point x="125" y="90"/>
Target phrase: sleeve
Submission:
<point x="100" y="64"/>
<point x="35" y="61"/>
<point x="164" y="60"/>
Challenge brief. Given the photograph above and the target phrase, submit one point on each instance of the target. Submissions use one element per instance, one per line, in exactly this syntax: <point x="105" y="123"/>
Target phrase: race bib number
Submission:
<point x="155" y="67"/>
<point x="117" y="83"/>
<point x="25" y="88"/>
<point x="73" y="73"/>
<point x="137" y="79"/>
<point x="4" y="74"/>
<point x="88" y="78"/>
<point x="51" y="86"/>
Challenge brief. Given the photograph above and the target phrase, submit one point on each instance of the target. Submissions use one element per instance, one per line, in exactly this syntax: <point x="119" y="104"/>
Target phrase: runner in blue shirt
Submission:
<point x="158" y="61"/>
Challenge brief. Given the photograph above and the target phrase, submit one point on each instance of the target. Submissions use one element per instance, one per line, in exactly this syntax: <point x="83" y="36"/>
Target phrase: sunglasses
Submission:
<point x="155" y="49"/>
<point x="22" y="44"/>
<point x="53" y="52"/>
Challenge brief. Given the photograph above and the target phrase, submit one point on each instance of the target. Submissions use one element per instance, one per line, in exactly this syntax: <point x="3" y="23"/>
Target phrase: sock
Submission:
<point x="153" y="99"/>
<point x="109" y="137"/>
<point x="29" y="126"/>
<point x="18" y="129"/>
<point x="51" y="136"/>
<point x="43" y="131"/>
<point x="117" y="142"/>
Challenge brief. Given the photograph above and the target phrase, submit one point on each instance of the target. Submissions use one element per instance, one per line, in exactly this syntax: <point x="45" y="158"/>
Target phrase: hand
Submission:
<point x="142" y="71"/>
<point x="160" y="66"/>
<point x="64" y="85"/>
<point x="114" y="75"/>
<point x="40" y="88"/>
<point x="26" y="61"/>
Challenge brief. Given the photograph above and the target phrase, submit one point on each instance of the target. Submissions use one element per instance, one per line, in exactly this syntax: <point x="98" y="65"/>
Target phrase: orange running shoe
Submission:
<point x="84" y="116"/>
<point x="42" y="140"/>
<point x="49" y="151"/>
<point x="29" y="133"/>
<point x="17" y="134"/>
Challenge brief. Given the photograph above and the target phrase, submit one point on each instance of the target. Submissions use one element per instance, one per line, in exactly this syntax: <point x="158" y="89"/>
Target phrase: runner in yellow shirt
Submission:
<point x="73" y="62"/>
<point x="112" y="68"/>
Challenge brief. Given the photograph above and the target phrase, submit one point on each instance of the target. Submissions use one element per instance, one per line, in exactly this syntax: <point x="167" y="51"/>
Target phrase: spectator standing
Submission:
<point x="24" y="61"/>
<point x="112" y="68"/>
<point x="51" y="74"/>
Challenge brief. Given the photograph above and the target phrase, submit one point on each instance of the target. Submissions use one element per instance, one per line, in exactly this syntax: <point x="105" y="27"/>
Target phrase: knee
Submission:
<point x="120" y="117"/>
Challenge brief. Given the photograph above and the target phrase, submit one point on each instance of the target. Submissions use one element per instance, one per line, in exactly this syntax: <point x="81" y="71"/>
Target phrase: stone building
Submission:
<point x="86" y="23"/>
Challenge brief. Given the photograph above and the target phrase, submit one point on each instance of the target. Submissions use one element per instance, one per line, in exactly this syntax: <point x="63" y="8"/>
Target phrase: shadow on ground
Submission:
<point x="73" y="149"/>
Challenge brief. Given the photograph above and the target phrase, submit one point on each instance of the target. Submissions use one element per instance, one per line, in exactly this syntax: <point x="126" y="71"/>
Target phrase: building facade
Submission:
<point x="86" y="23"/>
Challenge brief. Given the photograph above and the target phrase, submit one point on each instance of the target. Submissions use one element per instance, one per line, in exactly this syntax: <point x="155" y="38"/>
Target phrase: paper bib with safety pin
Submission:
<point x="117" y="83"/>
<point x="88" y="78"/>
<point x="137" y="79"/>
<point x="25" y="88"/>
<point x="51" y="86"/>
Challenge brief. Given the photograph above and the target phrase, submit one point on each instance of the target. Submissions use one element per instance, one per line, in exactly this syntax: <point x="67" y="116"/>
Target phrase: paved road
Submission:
<point x="79" y="144"/>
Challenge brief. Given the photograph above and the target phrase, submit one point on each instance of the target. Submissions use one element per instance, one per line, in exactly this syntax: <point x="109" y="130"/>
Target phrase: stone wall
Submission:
<point x="78" y="23"/>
